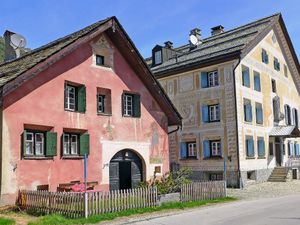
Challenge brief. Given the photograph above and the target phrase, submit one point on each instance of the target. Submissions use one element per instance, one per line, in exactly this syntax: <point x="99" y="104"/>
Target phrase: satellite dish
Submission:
<point x="17" y="41"/>
<point x="193" y="39"/>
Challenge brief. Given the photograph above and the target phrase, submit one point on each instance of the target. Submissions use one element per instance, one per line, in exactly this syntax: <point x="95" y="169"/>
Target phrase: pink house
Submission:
<point x="89" y="92"/>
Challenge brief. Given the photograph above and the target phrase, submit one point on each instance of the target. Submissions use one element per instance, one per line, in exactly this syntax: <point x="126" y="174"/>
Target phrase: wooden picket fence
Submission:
<point x="72" y="205"/>
<point x="203" y="191"/>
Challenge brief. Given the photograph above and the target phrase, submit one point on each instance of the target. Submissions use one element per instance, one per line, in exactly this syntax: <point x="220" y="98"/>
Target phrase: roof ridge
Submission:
<point x="50" y="44"/>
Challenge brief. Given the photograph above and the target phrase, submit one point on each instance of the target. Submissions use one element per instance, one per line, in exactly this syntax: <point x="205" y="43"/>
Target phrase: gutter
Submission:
<point x="236" y="119"/>
<point x="178" y="127"/>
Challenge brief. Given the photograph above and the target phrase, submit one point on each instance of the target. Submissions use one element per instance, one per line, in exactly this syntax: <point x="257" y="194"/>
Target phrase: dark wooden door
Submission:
<point x="136" y="171"/>
<point x="114" y="181"/>
<point x="125" y="175"/>
<point x="278" y="152"/>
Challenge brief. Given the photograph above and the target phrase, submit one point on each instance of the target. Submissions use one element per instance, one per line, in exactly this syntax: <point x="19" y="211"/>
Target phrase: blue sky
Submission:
<point x="147" y="22"/>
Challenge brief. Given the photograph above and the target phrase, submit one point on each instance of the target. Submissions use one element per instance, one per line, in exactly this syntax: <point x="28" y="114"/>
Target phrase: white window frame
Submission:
<point x="70" y="147"/>
<point x="39" y="143"/>
<point x="128" y="105"/>
<point x="74" y="145"/>
<point x="29" y="143"/>
<point x="71" y="101"/>
<point x="213" y="79"/>
<point x="215" y="148"/>
<point x="66" y="144"/>
<point x="214" y="113"/>
<point x="157" y="57"/>
<point x="192" y="149"/>
<point x="101" y="103"/>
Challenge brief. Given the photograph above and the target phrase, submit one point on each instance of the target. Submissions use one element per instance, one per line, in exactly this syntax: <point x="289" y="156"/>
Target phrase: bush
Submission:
<point x="170" y="182"/>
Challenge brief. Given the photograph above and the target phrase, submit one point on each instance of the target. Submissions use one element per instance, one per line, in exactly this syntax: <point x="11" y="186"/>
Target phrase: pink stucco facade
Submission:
<point x="39" y="102"/>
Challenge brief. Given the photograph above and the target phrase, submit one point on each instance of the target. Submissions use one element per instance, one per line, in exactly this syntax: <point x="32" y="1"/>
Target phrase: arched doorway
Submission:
<point x="125" y="170"/>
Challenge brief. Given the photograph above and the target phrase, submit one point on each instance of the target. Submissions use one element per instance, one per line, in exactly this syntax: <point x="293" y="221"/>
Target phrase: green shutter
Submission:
<point x="84" y="144"/>
<point x="24" y="142"/>
<point x="136" y="105"/>
<point x="122" y="104"/>
<point x="81" y="99"/>
<point x="51" y="144"/>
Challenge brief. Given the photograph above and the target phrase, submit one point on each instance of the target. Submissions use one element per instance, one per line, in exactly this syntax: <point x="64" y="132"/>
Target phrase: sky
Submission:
<point x="147" y="22"/>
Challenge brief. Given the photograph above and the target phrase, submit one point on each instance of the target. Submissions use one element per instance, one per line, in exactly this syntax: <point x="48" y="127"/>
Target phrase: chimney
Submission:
<point x="9" y="51"/>
<point x="196" y="32"/>
<point x="168" y="44"/>
<point x="217" y="30"/>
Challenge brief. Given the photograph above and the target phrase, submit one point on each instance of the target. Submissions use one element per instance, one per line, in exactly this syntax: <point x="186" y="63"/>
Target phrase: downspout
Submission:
<point x="178" y="127"/>
<point x="236" y="119"/>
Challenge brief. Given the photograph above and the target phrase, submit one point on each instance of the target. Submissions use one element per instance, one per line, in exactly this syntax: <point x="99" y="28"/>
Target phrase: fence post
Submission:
<point x="225" y="186"/>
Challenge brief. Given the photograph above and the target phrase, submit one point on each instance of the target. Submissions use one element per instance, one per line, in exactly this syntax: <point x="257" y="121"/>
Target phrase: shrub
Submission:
<point x="170" y="182"/>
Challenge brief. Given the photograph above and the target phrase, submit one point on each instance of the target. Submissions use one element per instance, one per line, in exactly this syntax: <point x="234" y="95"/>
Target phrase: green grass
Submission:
<point x="6" y="221"/>
<point x="60" y="220"/>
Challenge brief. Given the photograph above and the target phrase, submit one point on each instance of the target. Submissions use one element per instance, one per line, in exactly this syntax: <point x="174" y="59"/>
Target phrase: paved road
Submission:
<point x="274" y="211"/>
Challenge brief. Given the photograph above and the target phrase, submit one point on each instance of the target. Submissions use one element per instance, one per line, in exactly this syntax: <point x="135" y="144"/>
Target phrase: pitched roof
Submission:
<point x="231" y="42"/>
<point x="12" y="72"/>
<point x="285" y="131"/>
<point x="12" y="69"/>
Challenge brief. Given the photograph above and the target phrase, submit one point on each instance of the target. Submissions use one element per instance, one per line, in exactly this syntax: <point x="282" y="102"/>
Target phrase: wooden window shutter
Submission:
<point x="205" y="116"/>
<point x="206" y="147"/>
<point x="204" y="80"/>
<point x="51" y="144"/>
<point x="261" y="147"/>
<point x="183" y="150"/>
<point x="65" y="95"/>
<point x="122" y="104"/>
<point x="137" y="105"/>
<point x="250" y="147"/>
<point x="259" y="115"/>
<point x="84" y="143"/>
<point x="24" y="142"/>
<point x="81" y="98"/>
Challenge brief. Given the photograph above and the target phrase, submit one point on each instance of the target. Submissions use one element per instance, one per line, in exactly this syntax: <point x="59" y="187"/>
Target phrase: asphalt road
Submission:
<point x="272" y="211"/>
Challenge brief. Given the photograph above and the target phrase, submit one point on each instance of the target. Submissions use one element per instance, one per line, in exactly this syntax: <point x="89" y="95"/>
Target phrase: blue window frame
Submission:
<point x="259" y="113"/>
<point x="246" y="76"/>
<point x="261" y="147"/>
<point x="249" y="146"/>
<point x="257" y="81"/>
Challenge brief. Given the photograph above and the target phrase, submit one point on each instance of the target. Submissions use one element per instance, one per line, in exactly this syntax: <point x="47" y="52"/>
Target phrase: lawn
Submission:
<point x="6" y="221"/>
<point x="60" y="220"/>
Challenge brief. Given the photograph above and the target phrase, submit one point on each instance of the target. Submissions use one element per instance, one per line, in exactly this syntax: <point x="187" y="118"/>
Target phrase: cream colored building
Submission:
<point x="238" y="92"/>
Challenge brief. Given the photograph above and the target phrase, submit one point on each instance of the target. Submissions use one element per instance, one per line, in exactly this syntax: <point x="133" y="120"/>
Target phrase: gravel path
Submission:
<point x="266" y="190"/>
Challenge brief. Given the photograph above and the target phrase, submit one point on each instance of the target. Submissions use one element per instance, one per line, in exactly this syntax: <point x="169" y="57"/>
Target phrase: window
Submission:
<point x="247" y="110"/>
<point x="75" y="144"/>
<point x="285" y="71"/>
<point x="296" y="149"/>
<point x="246" y="76"/>
<point x="215" y="176"/>
<point x="131" y="105"/>
<point x="290" y="148"/>
<point x="276" y="109"/>
<point x="99" y="60"/>
<point x="75" y="98"/>
<point x="215" y="148"/>
<point x="100" y="108"/>
<point x="249" y="146"/>
<point x="273" y="86"/>
<point x="271" y="149"/>
<point x="276" y="64"/>
<point x="212" y="148"/>
<point x="70" y="97"/>
<point x="257" y="81"/>
<point x="259" y="113"/>
<point x="264" y="56"/>
<point x="287" y="114"/>
<point x="261" y="147"/>
<point x="210" y="113"/>
<point x="295" y="117"/>
<point x="39" y="143"/>
<point x="214" y="113"/>
<point x="213" y="79"/>
<point x="188" y="150"/>
<point x="70" y="144"/>
<point x="157" y="57"/>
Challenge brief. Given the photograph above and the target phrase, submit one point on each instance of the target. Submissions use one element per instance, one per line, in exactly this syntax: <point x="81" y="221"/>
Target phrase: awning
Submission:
<point x="285" y="131"/>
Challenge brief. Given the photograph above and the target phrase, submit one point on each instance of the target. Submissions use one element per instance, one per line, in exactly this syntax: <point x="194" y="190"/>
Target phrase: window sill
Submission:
<point x="189" y="158"/>
<point x="134" y="117"/>
<point x="37" y="157"/>
<point x="214" y="121"/>
<point x="74" y="111"/>
<point x="250" y="157"/>
<point x="72" y="157"/>
<point x="261" y="157"/>
<point x="213" y="157"/>
<point x="260" y="124"/>
<point x="104" y="114"/>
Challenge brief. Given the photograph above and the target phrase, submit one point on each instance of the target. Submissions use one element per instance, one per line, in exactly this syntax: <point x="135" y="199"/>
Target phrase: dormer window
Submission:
<point x="157" y="57"/>
<point x="99" y="60"/>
